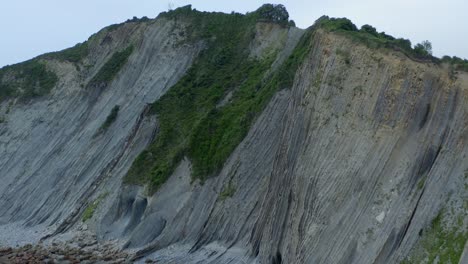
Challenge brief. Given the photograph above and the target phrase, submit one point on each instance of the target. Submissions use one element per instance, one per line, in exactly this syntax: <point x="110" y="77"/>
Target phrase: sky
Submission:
<point x="30" y="27"/>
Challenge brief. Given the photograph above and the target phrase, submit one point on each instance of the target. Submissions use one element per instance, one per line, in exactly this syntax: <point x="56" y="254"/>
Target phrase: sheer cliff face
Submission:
<point x="370" y="148"/>
<point x="348" y="165"/>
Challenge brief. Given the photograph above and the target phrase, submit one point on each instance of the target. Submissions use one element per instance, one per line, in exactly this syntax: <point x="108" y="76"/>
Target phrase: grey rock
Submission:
<point x="345" y="166"/>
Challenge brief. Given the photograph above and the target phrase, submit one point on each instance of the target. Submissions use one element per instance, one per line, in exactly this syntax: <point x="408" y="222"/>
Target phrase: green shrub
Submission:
<point x="422" y="182"/>
<point x="111" y="68"/>
<point x="335" y="24"/>
<point x="89" y="211"/>
<point x="178" y="12"/>
<point x="440" y="242"/>
<point x="370" y="30"/>
<point x="110" y="119"/>
<point x="456" y="62"/>
<point x="423" y="49"/>
<point x="135" y="19"/>
<point x="273" y="13"/>
<point x="74" y="54"/>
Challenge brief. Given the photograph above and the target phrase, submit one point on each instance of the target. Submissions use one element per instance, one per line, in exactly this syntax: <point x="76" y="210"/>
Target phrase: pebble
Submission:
<point x="88" y="250"/>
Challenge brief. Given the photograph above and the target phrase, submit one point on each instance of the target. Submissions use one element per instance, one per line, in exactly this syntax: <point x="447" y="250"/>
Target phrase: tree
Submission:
<point x="424" y="48"/>
<point x="370" y="29"/>
<point x="274" y="13"/>
<point x="427" y="46"/>
<point x="343" y="24"/>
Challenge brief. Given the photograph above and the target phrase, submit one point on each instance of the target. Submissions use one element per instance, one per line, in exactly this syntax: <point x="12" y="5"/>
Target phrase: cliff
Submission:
<point x="237" y="139"/>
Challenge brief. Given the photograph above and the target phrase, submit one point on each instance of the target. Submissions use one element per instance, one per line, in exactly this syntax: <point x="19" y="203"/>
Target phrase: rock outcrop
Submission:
<point x="351" y="164"/>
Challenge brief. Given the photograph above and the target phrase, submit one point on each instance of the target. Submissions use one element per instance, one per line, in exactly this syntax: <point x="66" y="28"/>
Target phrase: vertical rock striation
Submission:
<point x="350" y="164"/>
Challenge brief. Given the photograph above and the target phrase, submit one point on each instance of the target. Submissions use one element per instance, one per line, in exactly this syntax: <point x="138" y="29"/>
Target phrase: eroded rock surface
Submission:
<point x="349" y="165"/>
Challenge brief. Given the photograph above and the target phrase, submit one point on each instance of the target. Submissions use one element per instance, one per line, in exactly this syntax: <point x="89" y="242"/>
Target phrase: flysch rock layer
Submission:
<point x="346" y="166"/>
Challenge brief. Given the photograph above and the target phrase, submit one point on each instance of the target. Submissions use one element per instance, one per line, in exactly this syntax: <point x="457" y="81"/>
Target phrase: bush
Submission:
<point x="404" y="44"/>
<point x="423" y="49"/>
<point x="180" y="11"/>
<point x="111" y="68"/>
<point x="442" y="241"/>
<point x="136" y="19"/>
<point x="273" y="13"/>
<point x="335" y="24"/>
<point x="456" y="62"/>
<point x="89" y="211"/>
<point x="370" y="30"/>
<point x="110" y="119"/>
<point x="74" y="54"/>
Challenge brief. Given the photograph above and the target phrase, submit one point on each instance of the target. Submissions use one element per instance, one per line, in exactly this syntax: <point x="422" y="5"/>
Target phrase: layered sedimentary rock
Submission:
<point x="351" y="164"/>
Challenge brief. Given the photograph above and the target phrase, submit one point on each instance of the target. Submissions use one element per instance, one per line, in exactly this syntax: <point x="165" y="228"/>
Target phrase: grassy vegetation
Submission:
<point x="110" y="119"/>
<point x="227" y="192"/>
<point x="191" y="123"/>
<point x="422" y="182"/>
<point x="373" y="39"/>
<point x="74" y="54"/>
<point x="440" y="242"/>
<point x="111" y="68"/>
<point x="31" y="78"/>
<point x="134" y="20"/>
<point x="26" y="80"/>
<point x="274" y="13"/>
<point x="370" y="37"/>
<point x="89" y="211"/>
<point x="458" y="63"/>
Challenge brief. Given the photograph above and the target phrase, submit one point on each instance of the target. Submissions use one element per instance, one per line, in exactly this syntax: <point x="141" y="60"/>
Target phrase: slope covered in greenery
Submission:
<point x="192" y="123"/>
<point x="31" y="78"/>
<point x="369" y="36"/>
<point x="26" y="80"/>
<point x="111" y="68"/>
<point x="439" y="241"/>
<point x="74" y="54"/>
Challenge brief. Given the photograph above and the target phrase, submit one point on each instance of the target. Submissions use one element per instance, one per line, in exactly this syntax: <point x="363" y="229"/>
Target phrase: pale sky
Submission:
<point x="32" y="27"/>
